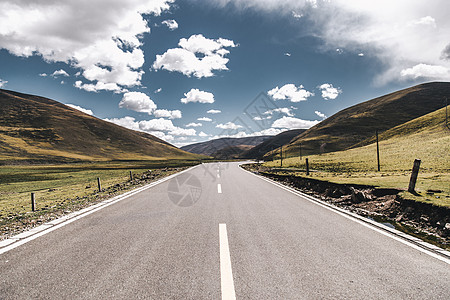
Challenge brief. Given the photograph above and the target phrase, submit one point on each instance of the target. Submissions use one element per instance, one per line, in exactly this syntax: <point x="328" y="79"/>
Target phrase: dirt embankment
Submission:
<point x="424" y="220"/>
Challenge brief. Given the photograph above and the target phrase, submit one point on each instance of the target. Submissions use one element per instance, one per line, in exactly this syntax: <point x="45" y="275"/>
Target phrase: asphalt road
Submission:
<point x="165" y="243"/>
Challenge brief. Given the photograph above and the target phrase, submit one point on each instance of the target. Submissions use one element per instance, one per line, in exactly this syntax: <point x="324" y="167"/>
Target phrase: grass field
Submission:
<point x="67" y="187"/>
<point x="425" y="138"/>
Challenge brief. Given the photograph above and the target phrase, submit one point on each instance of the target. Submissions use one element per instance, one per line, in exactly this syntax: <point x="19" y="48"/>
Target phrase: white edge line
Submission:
<point x="367" y="223"/>
<point x="226" y="273"/>
<point x="16" y="241"/>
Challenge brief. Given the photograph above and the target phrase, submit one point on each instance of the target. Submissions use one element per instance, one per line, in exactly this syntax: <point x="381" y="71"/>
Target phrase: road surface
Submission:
<point x="219" y="232"/>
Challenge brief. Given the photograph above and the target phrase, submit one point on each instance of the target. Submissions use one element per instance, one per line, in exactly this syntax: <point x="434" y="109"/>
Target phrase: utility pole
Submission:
<point x="378" y="151"/>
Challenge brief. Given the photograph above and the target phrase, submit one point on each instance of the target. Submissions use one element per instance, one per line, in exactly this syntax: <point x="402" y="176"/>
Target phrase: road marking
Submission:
<point x="226" y="275"/>
<point x="219" y="188"/>
<point x="392" y="233"/>
<point x="6" y="245"/>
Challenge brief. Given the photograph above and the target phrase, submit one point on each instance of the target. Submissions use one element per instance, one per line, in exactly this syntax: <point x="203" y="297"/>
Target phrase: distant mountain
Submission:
<point x="231" y="152"/>
<point x="212" y="146"/>
<point x="352" y="126"/>
<point x="272" y="143"/>
<point x="34" y="128"/>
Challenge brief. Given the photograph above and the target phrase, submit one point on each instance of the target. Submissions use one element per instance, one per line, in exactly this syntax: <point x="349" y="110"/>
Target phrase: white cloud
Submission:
<point x="127" y="122"/>
<point x="293" y="123"/>
<point x="361" y="54"/>
<point x="172" y="24"/>
<point x="229" y="125"/>
<point x="194" y="125"/>
<point x="204" y="119"/>
<point x="160" y="124"/>
<point x="43" y="74"/>
<point x="161" y="128"/>
<point x="322" y="115"/>
<point x="290" y="92"/>
<point x="425" y="71"/>
<point x="162" y="135"/>
<point x="158" y="91"/>
<point x="185" y="59"/>
<point x="183" y="132"/>
<point x="427" y="21"/>
<point x="202" y="134"/>
<point x="164" y="113"/>
<point x="399" y="40"/>
<point x="269" y="131"/>
<point x="259" y="118"/>
<point x="297" y="15"/>
<point x="99" y="86"/>
<point x="138" y="101"/>
<point x="103" y="39"/>
<point x="213" y="111"/>
<point x="195" y="95"/>
<point x="329" y="92"/>
<point x="60" y="72"/>
<point x="86" y="111"/>
<point x="287" y="54"/>
<point x="241" y="134"/>
<point x="3" y="83"/>
<point x="284" y="110"/>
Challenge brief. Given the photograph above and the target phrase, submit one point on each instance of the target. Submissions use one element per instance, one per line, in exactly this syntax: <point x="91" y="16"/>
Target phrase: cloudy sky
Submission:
<point x="192" y="70"/>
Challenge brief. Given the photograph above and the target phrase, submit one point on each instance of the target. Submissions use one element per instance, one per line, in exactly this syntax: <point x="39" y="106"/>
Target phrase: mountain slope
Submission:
<point x="272" y="143"/>
<point x="212" y="146"/>
<point x="353" y="125"/>
<point x="36" y="128"/>
<point x="426" y="138"/>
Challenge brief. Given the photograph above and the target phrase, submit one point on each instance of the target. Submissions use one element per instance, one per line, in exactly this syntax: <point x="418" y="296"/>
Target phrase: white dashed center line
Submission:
<point x="226" y="275"/>
<point x="219" y="188"/>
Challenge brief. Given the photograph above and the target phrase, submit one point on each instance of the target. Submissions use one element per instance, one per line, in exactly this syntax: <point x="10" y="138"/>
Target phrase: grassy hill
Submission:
<point x="38" y="129"/>
<point x="426" y="138"/>
<point x="212" y="146"/>
<point x="272" y="143"/>
<point x="353" y="126"/>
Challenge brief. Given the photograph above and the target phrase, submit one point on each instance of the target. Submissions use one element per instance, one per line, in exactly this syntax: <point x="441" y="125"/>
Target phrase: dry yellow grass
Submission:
<point x="425" y="138"/>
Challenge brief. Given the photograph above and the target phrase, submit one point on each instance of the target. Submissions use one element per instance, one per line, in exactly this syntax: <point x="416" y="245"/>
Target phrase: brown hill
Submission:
<point x="352" y="126"/>
<point x="37" y="129"/>
<point x="231" y="152"/>
<point x="273" y="143"/>
<point x="212" y="146"/>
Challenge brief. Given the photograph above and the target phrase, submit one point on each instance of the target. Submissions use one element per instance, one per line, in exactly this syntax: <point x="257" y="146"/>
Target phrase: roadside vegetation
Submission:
<point x="63" y="188"/>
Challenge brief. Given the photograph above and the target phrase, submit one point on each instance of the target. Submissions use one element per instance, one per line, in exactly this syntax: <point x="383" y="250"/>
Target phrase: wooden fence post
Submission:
<point x="33" y="202"/>
<point x="99" y="185"/>
<point x="414" y="174"/>
<point x="281" y="152"/>
<point x="307" y="167"/>
<point x="378" y="152"/>
<point x="131" y="176"/>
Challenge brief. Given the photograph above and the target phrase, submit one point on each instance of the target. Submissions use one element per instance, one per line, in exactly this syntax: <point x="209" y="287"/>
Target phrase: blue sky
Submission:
<point x="187" y="71"/>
